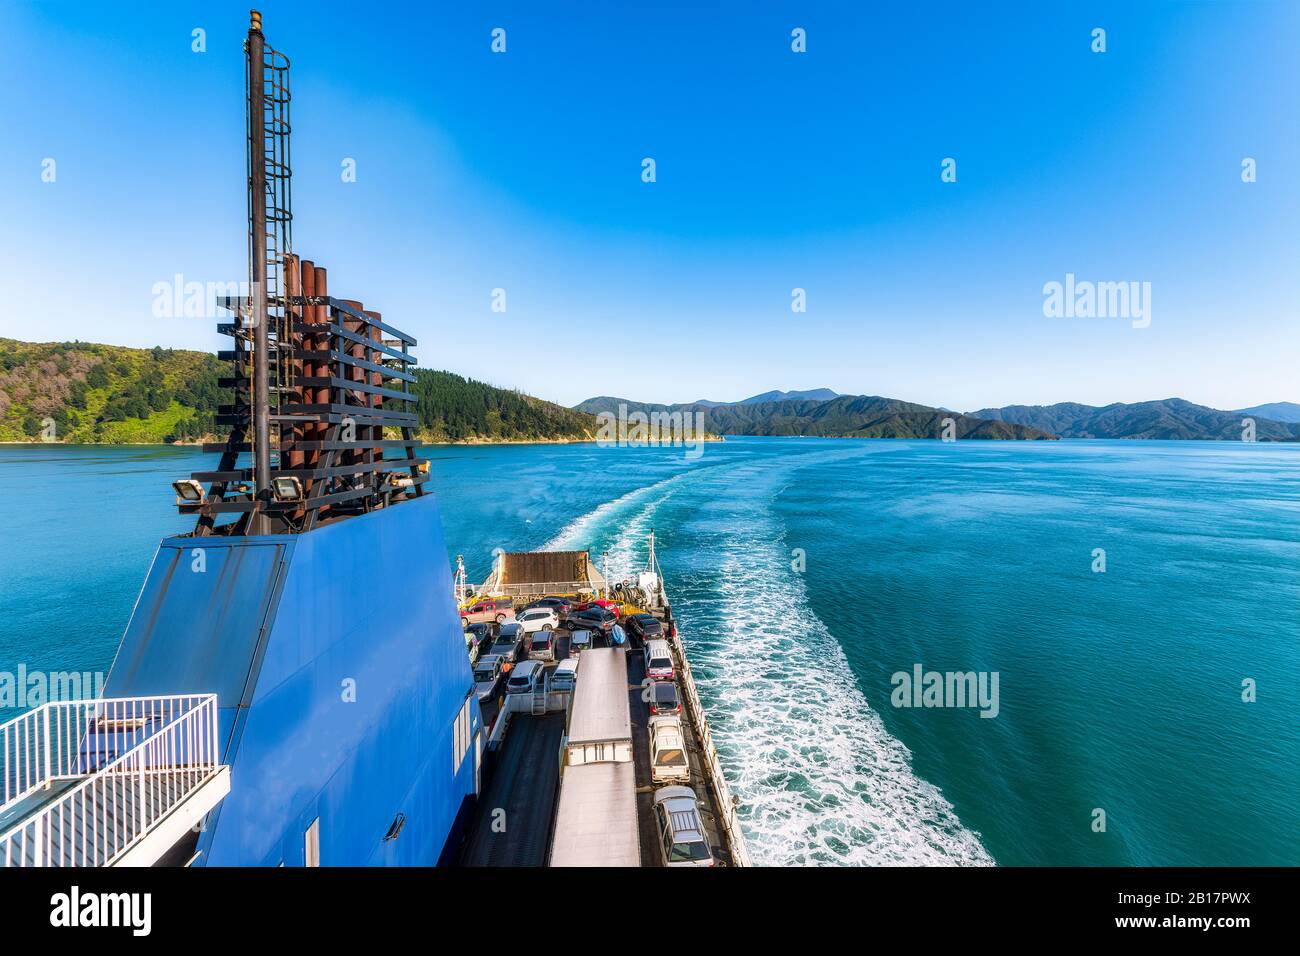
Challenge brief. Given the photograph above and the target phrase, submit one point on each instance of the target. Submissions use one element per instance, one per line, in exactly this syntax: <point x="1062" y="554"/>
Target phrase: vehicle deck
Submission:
<point x="522" y="778"/>
<point x="522" y="786"/>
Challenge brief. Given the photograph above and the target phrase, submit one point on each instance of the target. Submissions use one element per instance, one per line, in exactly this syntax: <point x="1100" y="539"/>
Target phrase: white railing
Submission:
<point x="695" y="710"/>
<point x="542" y="589"/>
<point x="112" y="768"/>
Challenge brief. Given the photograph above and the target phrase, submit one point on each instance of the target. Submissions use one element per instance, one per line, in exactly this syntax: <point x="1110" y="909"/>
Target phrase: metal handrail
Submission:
<point x="113" y="808"/>
<point x="528" y="590"/>
<point x="44" y="744"/>
<point x="726" y="804"/>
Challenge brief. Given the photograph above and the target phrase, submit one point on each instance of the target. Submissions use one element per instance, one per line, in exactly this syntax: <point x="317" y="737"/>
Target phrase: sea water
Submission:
<point x="1138" y="602"/>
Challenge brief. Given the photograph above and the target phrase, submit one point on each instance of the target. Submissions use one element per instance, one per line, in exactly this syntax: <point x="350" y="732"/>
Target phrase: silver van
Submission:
<point x="525" y="677"/>
<point x="682" y="841"/>
<point x="565" y="675"/>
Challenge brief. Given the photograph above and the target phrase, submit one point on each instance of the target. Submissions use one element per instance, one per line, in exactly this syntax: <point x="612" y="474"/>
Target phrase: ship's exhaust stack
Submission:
<point x="321" y="386"/>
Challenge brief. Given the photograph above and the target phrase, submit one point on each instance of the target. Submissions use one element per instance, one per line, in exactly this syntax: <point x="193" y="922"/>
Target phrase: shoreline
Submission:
<point x="424" y="444"/>
<point x="710" y="440"/>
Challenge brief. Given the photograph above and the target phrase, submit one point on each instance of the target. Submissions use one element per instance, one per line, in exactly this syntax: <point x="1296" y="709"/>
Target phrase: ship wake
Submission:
<point x="819" y="778"/>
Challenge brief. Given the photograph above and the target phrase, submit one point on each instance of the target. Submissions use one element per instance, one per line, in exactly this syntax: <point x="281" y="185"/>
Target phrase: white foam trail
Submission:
<point x="819" y="778"/>
<point x="581" y="532"/>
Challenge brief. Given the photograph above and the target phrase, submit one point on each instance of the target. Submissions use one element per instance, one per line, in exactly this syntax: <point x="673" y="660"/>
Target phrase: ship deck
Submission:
<point x="522" y="778"/>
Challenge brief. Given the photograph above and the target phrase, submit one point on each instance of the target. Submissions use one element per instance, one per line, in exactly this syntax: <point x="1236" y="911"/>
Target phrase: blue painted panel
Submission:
<point x="352" y="714"/>
<point x="197" y="619"/>
<point x="195" y="626"/>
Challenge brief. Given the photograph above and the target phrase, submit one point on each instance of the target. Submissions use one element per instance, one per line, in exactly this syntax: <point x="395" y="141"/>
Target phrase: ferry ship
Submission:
<point x="618" y="795"/>
<point x="293" y="686"/>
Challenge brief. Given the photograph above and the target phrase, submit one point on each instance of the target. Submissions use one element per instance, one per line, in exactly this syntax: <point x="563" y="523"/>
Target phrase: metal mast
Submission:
<point x="257" y="266"/>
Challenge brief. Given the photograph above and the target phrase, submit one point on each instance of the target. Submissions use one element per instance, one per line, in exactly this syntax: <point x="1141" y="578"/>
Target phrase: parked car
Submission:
<point x="477" y="637"/>
<point x="681" y="834"/>
<point x="565" y="675"/>
<point x="538" y="619"/>
<point x="562" y="604"/>
<point x="593" y="619"/>
<point x="668" y="751"/>
<point x="487" y="672"/>
<point x="525" y="678"/>
<point x="663" y="698"/>
<point x="659" y="661"/>
<point x="506" y="648"/>
<point x="644" y="627"/>
<point x="496" y="610"/>
<point x="612" y="606"/>
<point x="541" y="647"/>
<point x="579" y="641"/>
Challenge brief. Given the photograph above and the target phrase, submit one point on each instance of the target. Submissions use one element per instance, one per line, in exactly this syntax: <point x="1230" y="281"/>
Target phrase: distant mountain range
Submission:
<point x="814" y="394"/>
<point x="845" y="416"/>
<point x="1278" y="411"/>
<point x="824" y="413"/>
<point x="1171" y="418"/>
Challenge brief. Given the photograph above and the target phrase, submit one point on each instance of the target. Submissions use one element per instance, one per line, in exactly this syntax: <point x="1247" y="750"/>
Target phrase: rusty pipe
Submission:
<point x="292" y="284"/>
<point x="376" y="452"/>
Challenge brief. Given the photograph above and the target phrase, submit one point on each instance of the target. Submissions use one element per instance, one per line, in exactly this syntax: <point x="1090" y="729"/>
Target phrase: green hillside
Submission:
<point x="82" y="392"/>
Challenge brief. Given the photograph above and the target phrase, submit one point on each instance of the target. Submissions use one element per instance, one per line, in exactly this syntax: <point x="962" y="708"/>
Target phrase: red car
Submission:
<point x="488" y="611"/>
<point x="614" y="606"/>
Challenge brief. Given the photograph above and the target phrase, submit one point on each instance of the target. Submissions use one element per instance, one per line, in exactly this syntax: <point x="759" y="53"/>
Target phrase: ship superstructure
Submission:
<point x="292" y="687"/>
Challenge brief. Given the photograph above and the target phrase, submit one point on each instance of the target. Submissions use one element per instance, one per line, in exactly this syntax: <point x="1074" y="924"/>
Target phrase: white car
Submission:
<point x="659" y="661"/>
<point x="538" y="619"/>
<point x="668" y="762"/>
<point x="681" y="833"/>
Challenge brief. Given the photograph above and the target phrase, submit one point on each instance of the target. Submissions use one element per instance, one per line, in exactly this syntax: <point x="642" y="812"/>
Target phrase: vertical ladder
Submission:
<point x="278" y="241"/>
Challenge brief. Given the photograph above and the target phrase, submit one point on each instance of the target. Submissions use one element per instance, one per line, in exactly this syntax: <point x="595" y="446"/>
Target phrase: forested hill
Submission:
<point x="80" y="392"/>
<point x="848" y="416"/>
<point x="453" y="408"/>
<point x="1170" y="418"/>
<point x="85" y="393"/>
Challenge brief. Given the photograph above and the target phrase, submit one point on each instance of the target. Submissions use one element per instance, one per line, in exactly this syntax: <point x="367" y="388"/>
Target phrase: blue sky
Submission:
<point x="775" y="170"/>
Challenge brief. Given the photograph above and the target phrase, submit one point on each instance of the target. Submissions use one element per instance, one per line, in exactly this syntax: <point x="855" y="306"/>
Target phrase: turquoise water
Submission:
<point x="1119" y="691"/>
